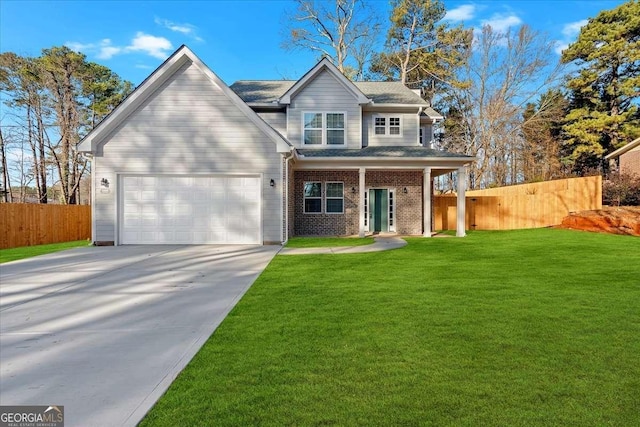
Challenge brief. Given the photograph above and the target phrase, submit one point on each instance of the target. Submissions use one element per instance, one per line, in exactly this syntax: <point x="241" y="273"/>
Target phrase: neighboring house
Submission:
<point x="626" y="160"/>
<point x="186" y="159"/>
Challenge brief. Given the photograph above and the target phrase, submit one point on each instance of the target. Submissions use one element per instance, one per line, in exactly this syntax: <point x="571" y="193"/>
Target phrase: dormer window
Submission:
<point x="387" y="125"/>
<point x="324" y="128"/>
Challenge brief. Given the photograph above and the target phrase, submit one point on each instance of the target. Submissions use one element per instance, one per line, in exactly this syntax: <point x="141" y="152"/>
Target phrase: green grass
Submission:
<point x="323" y="242"/>
<point x="520" y="328"/>
<point x="15" y="254"/>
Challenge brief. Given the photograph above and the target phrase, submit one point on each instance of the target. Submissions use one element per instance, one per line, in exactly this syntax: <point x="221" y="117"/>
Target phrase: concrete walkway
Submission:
<point x="381" y="244"/>
<point x="103" y="331"/>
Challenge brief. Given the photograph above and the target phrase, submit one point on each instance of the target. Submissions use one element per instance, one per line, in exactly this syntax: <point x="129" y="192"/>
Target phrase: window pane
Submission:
<point x="335" y="189"/>
<point x="312" y="189"/>
<point x="394" y="121"/>
<point x="334" y="205"/>
<point x="312" y="120"/>
<point x="380" y="121"/>
<point x="335" y="121"/>
<point x="313" y="205"/>
<point x="394" y="131"/>
<point x="335" y="137"/>
<point x="379" y="131"/>
<point x="312" y="136"/>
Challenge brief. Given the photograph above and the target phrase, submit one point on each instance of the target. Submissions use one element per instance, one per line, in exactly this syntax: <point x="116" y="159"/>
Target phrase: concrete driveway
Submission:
<point x="105" y="330"/>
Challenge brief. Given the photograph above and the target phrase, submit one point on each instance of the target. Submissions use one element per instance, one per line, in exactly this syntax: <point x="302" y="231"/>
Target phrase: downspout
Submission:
<point x="287" y="158"/>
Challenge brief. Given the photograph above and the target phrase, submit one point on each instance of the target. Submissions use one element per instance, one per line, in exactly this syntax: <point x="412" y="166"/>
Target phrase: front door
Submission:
<point x="379" y="209"/>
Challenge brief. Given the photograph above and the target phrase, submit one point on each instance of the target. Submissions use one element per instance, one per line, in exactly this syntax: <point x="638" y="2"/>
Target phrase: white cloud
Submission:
<point x="143" y="66"/>
<point x="501" y="23"/>
<point x="465" y="12"/>
<point x="80" y="47"/>
<point x="569" y="31"/>
<point x="158" y="47"/>
<point x="186" y="29"/>
<point x="107" y="51"/>
<point x="572" y="29"/>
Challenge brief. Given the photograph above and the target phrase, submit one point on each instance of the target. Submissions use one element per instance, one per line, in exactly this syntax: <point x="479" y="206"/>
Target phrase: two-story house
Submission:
<point x="187" y="159"/>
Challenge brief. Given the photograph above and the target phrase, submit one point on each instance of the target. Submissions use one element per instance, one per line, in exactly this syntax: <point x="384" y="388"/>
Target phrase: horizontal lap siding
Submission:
<point x="188" y="126"/>
<point x="276" y="120"/>
<point x="324" y="94"/>
<point x="409" y="131"/>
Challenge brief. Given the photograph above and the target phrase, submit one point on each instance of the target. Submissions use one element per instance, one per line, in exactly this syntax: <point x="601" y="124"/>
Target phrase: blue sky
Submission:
<point x="238" y="39"/>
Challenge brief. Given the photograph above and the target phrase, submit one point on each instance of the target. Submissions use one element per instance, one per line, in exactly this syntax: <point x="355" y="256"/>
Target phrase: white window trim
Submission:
<point x="387" y="125"/>
<point x="304" y="198"/>
<point x="325" y="129"/>
<point x="326" y="198"/>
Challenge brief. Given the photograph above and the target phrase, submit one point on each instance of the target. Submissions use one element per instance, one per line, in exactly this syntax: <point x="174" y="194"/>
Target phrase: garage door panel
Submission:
<point x="190" y="210"/>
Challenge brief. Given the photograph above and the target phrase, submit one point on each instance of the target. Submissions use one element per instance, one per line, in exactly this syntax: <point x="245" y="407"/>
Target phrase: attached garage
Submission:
<point x="179" y="209"/>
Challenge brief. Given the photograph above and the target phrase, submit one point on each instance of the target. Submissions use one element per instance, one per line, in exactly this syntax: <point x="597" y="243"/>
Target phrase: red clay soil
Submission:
<point x="618" y="220"/>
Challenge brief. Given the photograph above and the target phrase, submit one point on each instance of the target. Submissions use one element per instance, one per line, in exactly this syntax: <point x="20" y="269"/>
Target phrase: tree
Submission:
<point x="335" y="29"/>
<point x="507" y="71"/>
<point x="605" y="88"/>
<point x="59" y="97"/>
<point x="419" y="52"/>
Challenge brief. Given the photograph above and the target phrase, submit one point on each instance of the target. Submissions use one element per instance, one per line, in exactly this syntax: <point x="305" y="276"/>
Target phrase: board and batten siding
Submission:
<point x="409" y="130"/>
<point x="324" y="94"/>
<point x="187" y="126"/>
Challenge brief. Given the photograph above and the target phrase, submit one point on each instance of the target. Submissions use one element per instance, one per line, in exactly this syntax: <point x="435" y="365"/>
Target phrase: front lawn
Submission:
<point x="328" y="242"/>
<point x="15" y="254"/>
<point x="533" y="327"/>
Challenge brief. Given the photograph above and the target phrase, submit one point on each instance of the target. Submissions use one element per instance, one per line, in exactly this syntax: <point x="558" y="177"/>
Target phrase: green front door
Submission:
<point x="379" y="209"/>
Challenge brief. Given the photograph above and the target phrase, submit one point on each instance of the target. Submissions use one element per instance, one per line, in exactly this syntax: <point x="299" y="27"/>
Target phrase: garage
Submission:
<point x="178" y="209"/>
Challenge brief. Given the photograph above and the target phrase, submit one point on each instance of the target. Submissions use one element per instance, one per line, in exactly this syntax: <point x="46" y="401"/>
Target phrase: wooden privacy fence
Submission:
<point x="25" y="224"/>
<point x="541" y="204"/>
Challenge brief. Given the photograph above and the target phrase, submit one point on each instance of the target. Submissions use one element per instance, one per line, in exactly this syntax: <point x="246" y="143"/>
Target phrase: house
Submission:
<point x="187" y="159"/>
<point x="626" y="159"/>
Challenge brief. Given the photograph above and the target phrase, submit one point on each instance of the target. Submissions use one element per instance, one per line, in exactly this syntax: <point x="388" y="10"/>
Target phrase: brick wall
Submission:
<point x="409" y="204"/>
<point x="630" y="162"/>
<point x="408" y="209"/>
<point x="345" y="224"/>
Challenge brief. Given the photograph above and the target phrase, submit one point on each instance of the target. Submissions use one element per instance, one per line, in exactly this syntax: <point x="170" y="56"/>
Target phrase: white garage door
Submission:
<point x="190" y="210"/>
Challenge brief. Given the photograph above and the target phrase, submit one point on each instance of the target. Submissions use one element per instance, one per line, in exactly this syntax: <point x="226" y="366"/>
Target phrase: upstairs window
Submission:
<point x="387" y="125"/>
<point x="324" y="129"/>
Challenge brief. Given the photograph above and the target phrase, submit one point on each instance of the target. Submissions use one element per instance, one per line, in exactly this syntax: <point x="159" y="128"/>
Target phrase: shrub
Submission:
<point x="621" y="190"/>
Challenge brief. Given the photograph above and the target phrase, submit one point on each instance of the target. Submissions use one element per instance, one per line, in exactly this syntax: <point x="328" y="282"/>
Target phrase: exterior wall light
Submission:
<point x="353" y="190"/>
<point x="104" y="182"/>
<point x="404" y="190"/>
<point x="272" y="183"/>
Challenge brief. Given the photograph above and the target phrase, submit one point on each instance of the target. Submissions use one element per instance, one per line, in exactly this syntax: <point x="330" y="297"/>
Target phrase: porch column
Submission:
<point x="426" y="197"/>
<point x="461" y="210"/>
<point x="361" y="187"/>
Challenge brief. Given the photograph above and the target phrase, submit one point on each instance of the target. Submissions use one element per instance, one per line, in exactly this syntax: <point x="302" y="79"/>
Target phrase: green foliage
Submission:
<point x="420" y="52"/>
<point x="604" y="91"/>
<point x="522" y="328"/>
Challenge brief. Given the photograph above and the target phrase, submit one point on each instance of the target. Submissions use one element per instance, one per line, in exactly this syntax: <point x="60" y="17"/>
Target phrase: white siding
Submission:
<point x="409" y="130"/>
<point x="277" y="120"/>
<point x="325" y="94"/>
<point x="188" y="126"/>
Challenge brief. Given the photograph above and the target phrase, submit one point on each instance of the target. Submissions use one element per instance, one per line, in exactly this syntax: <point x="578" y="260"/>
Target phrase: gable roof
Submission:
<point x="270" y="91"/>
<point x="620" y="151"/>
<point x="164" y="72"/>
<point x="323" y="65"/>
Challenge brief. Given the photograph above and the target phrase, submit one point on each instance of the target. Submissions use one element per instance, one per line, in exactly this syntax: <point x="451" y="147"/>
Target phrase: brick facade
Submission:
<point x="408" y="208"/>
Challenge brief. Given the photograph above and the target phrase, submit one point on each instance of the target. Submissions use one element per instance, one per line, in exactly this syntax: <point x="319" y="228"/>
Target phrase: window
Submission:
<point x="324" y="129"/>
<point x="387" y="125"/>
<point x="335" y="197"/>
<point x="312" y="128"/>
<point x="312" y="197"/>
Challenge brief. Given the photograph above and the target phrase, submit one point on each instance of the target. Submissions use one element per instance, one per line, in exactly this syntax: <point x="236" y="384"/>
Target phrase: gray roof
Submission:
<point x="383" y="152"/>
<point x="268" y="91"/>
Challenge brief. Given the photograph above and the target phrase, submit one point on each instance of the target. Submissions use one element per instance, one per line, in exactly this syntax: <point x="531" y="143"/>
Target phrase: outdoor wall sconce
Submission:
<point x="272" y="183"/>
<point x="104" y="182"/>
<point x="404" y="190"/>
<point x="353" y="190"/>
